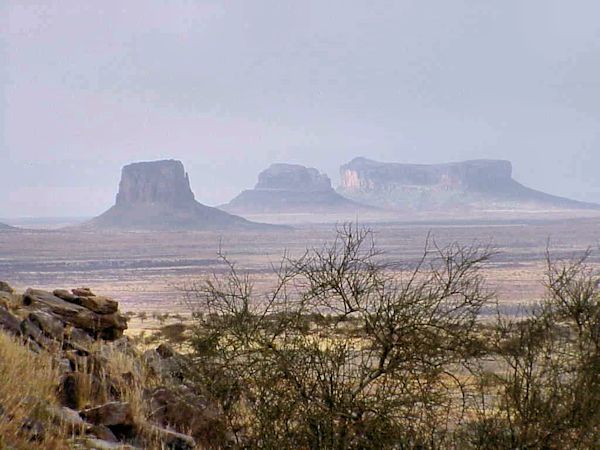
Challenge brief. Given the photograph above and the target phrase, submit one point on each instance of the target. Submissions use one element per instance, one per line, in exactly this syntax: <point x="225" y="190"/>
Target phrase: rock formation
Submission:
<point x="291" y="188"/>
<point x="157" y="196"/>
<point x="82" y="334"/>
<point x="478" y="184"/>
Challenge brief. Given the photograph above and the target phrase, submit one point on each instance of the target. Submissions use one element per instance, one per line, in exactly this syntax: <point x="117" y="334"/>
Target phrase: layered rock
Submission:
<point x="82" y="332"/>
<point x="157" y="196"/>
<point x="61" y="317"/>
<point x="478" y="184"/>
<point x="291" y="188"/>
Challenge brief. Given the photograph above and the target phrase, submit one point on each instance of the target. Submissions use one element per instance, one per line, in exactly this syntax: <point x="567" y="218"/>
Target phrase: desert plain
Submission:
<point x="145" y="271"/>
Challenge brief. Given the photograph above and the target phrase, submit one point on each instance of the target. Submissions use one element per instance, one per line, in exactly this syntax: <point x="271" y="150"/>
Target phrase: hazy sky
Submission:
<point x="229" y="87"/>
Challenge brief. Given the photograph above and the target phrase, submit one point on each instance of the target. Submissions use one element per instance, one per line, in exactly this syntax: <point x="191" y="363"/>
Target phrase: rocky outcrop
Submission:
<point x="291" y="188"/>
<point x="478" y="184"/>
<point x="82" y="331"/>
<point x="48" y="319"/>
<point x="157" y="196"/>
<point x="79" y="312"/>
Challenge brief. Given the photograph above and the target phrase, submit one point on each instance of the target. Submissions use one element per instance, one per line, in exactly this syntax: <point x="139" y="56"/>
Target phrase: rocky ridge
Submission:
<point x="291" y="188"/>
<point x="477" y="184"/>
<point x="157" y="195"/>
<point x="82" y="332"/>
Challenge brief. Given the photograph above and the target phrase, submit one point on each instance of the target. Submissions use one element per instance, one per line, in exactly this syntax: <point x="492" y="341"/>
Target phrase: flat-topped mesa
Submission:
<point x="155" y="182"/>
<point x="293" y="177"/>
<point x="291" y="188"/>
<point x="478" y="184"/>
<point x="156" y="196"/>
<point x="364" y="174"/>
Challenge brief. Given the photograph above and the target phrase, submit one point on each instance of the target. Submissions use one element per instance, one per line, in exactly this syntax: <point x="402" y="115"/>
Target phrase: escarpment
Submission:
<point x="477" y="184"/>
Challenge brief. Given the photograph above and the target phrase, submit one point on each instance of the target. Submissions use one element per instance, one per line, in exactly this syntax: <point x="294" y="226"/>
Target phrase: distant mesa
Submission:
<point x="291" y="188"/>
<point x="157" y="196"/>
<point x="477" y="184"/>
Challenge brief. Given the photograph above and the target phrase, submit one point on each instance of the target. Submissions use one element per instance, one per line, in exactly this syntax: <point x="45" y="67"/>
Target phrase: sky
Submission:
<point x="229" y="87"/>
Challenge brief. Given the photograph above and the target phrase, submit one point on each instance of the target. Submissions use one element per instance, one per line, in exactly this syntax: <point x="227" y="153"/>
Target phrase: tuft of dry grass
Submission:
<point x="27" y="388"/>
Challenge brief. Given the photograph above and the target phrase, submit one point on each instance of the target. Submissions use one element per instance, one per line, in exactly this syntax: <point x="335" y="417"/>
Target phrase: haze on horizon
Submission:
<point x="231" y="87"/>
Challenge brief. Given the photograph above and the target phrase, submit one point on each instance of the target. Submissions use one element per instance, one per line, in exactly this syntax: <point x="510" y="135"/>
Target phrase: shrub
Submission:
<point x="546" y="390"/>
<point x="343" y="352"/>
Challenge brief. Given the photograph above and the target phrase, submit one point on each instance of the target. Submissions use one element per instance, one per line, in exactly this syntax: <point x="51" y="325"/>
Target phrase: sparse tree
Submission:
<point x="346" y="351"/>
<point x="545" y="389"/>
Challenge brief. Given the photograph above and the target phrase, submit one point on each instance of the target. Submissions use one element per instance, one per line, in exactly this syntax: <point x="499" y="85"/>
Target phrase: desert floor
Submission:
<point x="145" y="271"/>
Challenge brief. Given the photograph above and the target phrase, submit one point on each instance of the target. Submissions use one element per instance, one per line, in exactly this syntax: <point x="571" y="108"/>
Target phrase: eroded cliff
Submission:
<point x="477" y="184"/>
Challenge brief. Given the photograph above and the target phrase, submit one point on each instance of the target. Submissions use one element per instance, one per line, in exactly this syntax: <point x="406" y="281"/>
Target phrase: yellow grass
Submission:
<point x="27" y="386"/>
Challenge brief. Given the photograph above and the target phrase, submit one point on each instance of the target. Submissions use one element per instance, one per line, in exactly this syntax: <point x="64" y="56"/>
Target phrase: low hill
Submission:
<point x="477" y="184"/>
<point x="157" y="196"/>
<point x="291" y="188"/>
<point x="4" y="227"/>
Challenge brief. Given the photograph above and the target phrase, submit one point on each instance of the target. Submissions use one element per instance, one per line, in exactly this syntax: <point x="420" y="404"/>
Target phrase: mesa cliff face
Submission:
<point x="164" y="182"/>
<point x="478" y="184"/>
<point x="293" y="177"/>
<point x="157" y="196"/>
<point x="291" y="188"/>
<point x="4" y="227"/>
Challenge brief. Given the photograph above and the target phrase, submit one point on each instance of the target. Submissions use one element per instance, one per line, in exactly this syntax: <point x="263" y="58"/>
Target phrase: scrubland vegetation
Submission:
<point x="348" y="350"/>
<point x="345" y="353"/>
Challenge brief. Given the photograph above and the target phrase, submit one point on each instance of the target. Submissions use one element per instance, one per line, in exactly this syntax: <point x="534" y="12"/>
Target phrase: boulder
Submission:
<point x="32" y="331"/>
<point x="102" y="432"/>
<point x="49" y="324"/>
<point x="83" y="292"/>
<point x="65" y="295"/>
<point x="86" y="298"/>
<point x="68" y="418"/>
<point x="171" y="439"/>
<point x="39" y="299"/>
<point x="110" y="414"/>
<point x="9" y="322"/>
<point x="100" y="305"/>
<point x="78" y="339"/>
<point x="184" y="411"/>
<point x="105" y="326"/>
